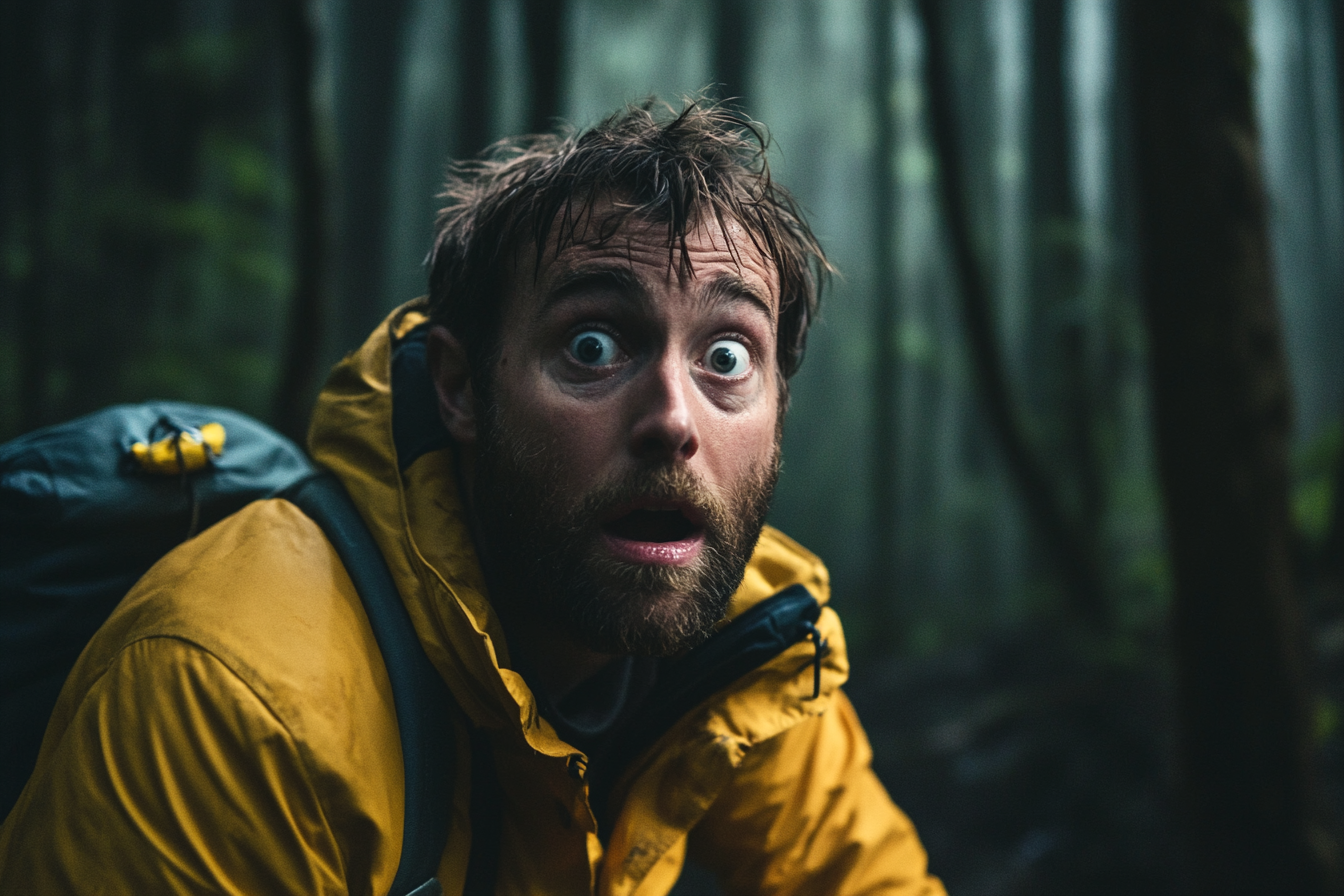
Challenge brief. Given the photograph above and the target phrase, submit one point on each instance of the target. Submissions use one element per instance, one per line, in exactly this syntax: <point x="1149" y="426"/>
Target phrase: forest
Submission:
<point x="1068" y="434"/>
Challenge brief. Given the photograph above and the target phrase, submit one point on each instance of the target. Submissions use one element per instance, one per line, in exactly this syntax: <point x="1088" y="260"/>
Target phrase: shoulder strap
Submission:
<point x="421" y="698"/>
<point x="748" y="642"/>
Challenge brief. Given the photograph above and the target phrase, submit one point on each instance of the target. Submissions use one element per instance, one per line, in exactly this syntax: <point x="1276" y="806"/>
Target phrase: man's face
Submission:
<point x="629" y="440"/>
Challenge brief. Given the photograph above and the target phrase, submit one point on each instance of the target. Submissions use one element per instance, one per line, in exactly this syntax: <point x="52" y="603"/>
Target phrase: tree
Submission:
<point x="24" y="196"/>
<point x="1063" y="374"/>
<point x="1221" y="406"/>
<point x="1077" y="562"/>
<point x="1332" y="551"/>
<point x="732" y="49"/>
<point x="475" y="77"/>
<point x="369" y="43"/>
<point x="305" y="325"/>
<point x="886" y="362"/>
<point x="545" y="21"/>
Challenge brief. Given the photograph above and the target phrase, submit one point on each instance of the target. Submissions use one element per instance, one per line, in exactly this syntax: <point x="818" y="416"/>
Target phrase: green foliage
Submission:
<point x="925" y="637"/>
<point x="202" y="63"/>
<point x="1325" y="720"/>
<point x="16" y="260"/>
<point x="234" y="377"/>
<point x="189" y="264"/>
<point x="1314" y="466"/>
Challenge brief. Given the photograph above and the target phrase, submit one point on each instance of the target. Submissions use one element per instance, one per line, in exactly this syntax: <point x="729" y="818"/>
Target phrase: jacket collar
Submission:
<point x="411" y="504"/>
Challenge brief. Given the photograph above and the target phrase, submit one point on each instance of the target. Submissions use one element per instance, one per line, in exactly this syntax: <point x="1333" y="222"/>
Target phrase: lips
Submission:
<point x="670" y="533"/>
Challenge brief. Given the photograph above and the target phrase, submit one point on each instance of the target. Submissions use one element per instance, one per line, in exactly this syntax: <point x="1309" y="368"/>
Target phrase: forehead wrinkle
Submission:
<point x="626" y="258"/>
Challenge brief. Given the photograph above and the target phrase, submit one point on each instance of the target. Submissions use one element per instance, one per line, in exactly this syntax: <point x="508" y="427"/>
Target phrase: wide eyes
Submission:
<point x="594" y="348"/>
<point x="727" y="357"/>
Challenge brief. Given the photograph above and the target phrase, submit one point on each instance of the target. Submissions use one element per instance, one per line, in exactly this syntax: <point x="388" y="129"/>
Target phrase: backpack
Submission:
<point x="86" y="507"/>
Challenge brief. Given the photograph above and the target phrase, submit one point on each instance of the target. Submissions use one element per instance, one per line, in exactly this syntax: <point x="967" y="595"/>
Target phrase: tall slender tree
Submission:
<point x="1038" y="489"/>
<point x="368" y="44"/>
<point x="23" y="196"/>
<point x="1333" y="549"/>
<point x="1058" y="387"/>
<point x="886" y="361"/>
<point x="475" y="76"/>
<point x="545" y="21"/>
<point x="1221" y="405"/>
<point x="732" y="49"/>
<point x="139" y="128"/>
<point x="305" y="324"/>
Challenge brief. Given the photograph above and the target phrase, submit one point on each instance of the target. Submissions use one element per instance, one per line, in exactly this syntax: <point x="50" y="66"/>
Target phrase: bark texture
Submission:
<point x="732" y="50"/>
<point x="546" y="52"/>
<point x="1221" y="403"/>
<point x="368" y="72"/>
<point x="306" y="323"/>
<point x="1039" y="492"/>
<point x="886" y="363"/>
<point x="475" y="77"/>
<point x="23" y="188"/>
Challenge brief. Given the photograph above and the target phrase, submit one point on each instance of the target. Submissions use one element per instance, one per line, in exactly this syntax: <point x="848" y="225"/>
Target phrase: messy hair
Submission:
<point x="647" y="162"/>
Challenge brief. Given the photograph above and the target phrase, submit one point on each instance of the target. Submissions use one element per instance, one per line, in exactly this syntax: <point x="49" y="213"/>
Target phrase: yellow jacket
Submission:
<point x="230" y="728"/>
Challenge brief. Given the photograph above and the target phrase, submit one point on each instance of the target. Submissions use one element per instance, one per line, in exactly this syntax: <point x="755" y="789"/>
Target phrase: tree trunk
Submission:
<point x="1332" y="551"/>
<point x="1060" y="384"/>
<point x="1221" y="407"/>
<point x="732" y="50"/>
<point x="1052" y="196"/>
<point x="1077" y="565"/>
<point x="145" y="128"/>
<point x="886" y="362"/>
<point x="24" y="187"/>
<point x="369" y="44"/>
<point x="475" y="77"/>
<point x="545" y="22"/>
<point x="305" y="324"/>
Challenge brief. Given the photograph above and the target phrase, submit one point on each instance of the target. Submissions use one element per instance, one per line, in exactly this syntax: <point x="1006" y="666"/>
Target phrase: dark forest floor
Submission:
<point x="1027" y="770"/>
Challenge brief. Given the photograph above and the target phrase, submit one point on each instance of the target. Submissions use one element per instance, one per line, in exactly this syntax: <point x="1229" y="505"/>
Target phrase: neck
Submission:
<point x="558" y="662"/>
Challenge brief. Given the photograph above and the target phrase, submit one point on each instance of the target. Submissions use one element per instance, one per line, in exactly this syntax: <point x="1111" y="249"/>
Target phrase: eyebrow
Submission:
<point x="586" y="277"/>
<point x="730" y="288"/>
<point x="724" y="288"/>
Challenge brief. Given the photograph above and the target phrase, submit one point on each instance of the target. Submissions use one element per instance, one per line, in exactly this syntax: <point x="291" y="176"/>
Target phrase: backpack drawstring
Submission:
<point x="187" y="485"/>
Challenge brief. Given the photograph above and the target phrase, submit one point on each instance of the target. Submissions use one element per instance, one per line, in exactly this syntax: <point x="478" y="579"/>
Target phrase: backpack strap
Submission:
<point x="487" y="818"/>
<point x="420" y="696"/>
<point x="422" y="700"/>
<point x="748" y="642"/>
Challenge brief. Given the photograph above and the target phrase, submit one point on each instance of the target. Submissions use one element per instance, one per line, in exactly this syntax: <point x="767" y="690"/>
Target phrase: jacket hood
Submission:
<point x="412" y="506"/>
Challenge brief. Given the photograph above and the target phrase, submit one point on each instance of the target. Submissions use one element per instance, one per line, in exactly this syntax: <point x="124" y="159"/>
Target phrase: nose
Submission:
<point x="664" y="425"/>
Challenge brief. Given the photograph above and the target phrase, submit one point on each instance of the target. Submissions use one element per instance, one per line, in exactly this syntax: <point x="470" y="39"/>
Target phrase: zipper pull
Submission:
<point x="823" y="648"/>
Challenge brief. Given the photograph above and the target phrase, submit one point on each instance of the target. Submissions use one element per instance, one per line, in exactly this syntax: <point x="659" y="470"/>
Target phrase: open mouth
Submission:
<point x="653" y="525"/>
<point x="657" y="534"/>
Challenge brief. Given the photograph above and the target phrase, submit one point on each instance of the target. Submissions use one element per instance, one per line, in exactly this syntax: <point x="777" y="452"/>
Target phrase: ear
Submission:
<point x="451" y="373"/>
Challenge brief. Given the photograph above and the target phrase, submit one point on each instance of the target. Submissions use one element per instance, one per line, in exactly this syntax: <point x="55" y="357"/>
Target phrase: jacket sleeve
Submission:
<point x="171" y="776"/>
<point x="805" y="814"/>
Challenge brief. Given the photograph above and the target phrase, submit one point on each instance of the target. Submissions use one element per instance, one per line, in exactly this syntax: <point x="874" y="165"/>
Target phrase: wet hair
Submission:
<point x="649" y="163"/>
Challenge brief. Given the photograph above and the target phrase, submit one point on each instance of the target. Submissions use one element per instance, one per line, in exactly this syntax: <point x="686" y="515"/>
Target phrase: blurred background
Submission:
<point x="215" y="199"/>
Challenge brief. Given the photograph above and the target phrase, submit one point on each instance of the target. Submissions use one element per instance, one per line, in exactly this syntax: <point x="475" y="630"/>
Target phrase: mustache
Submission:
<point x="663" y="485"/>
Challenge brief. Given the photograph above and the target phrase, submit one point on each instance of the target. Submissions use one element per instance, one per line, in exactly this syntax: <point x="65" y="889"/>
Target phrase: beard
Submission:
<point x="545" y="549"/>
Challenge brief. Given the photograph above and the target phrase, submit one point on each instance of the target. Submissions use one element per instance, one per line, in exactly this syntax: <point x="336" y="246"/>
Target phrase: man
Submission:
<point x="566" y="457"/>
